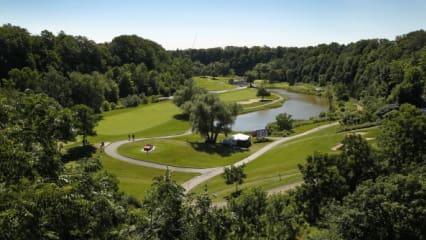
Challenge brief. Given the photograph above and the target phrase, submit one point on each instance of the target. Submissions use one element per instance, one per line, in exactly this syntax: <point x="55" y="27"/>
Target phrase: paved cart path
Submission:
<point x="205" y="173"/>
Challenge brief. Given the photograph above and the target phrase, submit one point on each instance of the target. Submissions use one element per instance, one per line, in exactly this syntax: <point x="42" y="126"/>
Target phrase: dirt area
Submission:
<point x="359" y="133"/>
<point x="337" y="147"/>
<point x="250" y="101"/>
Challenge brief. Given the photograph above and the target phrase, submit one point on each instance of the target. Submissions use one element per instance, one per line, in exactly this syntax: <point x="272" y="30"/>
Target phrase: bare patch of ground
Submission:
<point x="250" y="101"/>
<point x="337" y="147"/>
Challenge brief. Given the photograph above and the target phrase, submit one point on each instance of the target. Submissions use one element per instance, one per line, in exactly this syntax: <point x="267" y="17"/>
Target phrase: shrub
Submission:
<point x="131" y="101"/>
<point x="105" y="106"/>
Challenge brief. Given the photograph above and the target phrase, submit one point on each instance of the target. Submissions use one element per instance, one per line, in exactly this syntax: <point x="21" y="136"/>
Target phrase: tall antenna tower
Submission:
<point x="195" y="39"/>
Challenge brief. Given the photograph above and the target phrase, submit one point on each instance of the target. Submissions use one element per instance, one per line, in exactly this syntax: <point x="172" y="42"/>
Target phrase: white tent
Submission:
<point x="240" y="137"/>
<point x="240" y="140"/>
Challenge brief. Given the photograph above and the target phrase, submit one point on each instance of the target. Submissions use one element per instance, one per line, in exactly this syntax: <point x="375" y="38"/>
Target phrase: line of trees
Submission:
<point x="378" y="67"/>
<point x="69" y="68"/>
<point x="75" y="70"/>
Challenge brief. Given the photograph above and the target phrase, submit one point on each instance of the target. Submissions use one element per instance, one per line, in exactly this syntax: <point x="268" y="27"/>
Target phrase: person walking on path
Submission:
<point x="133" y="137"/>
<point x="102" y="146"/>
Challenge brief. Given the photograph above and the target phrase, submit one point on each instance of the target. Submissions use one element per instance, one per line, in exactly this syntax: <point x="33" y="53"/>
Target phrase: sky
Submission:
<point x="182" y="24"/>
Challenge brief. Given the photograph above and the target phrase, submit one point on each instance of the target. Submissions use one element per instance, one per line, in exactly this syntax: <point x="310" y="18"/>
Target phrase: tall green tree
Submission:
<point x="263" y="92"/>
<point x="26" y="78"/>
<point x="249" y="209"/>
<point x="185" y="95"/>
<point x="388" y="208"/>
<point x="411" y="89"/>
<point x="16" y="48"/>
<point x="323" y="184"/>
<point x="284" y="121"/>
<point x="85" y="121"/>
<point x="163" y="204"/>
<point x="250" y="77"/>
<point x="42" y="122"/>
<point x="210" y="116"/>
<point x="57" y="86"/>
<point x="283" y="220"/>
<point x="403" y="137"/>
<point x="357" y="161"/>
<point x="234" y="175"/>
<point x="81" y="204"/>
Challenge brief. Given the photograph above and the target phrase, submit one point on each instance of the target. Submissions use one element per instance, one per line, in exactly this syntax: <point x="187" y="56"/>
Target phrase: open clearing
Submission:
<point x="214" y="83"/>
<point x="249" y="101"/>
<point x="239" y="96"/>
<point x="156" y="119"/>
<point x="273" y="169"/>
<point x="187" y="151"/>
<point x="136" y="180"/>
<point x="278" y="167"/>
<point x="304" y="88"/>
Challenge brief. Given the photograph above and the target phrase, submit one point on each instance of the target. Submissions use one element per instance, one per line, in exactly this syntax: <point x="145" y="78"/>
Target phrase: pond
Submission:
<point x="300" y="106"/>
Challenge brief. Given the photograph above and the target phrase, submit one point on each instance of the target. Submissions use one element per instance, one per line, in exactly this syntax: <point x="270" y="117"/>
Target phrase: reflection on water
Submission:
<point x="300" y="106"/>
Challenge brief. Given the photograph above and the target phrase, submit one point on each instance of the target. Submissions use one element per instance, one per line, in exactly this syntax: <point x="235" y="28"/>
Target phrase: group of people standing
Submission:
<point x="131" y="137"/>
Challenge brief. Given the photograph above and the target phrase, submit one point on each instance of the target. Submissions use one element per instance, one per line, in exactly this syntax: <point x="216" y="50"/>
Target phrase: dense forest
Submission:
<point x="380" y="68"/>
<point x="52" y="86"/>
<point x="75" y="70"/>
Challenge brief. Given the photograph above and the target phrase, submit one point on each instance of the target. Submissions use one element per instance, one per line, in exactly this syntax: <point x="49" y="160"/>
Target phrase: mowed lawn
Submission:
<point x="187" y="151"/>
<point x="304" y="88"/>
<point x="278" y="167"/>
<point x="156" y="119"/>
<point x="239" y="95"/>
<point x="136" y="180"/>
<point x="214" y="83"/>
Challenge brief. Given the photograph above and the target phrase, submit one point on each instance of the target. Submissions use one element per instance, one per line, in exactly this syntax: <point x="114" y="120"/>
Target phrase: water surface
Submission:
<point x="300" y="106"/>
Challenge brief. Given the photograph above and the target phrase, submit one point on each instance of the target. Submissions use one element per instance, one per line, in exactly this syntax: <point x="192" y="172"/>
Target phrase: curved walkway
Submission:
<point x="228" y="90"/>
<point x="269" y="192"/>
<point x="280" y="98"/>
<point x="111" y="150"/>
<point x="188" y="185"/>
<point x="206" y="173"/>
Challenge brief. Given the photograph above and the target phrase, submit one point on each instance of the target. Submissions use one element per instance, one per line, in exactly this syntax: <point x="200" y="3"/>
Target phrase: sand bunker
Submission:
<point x="337" y="147"/>
<point x="250" y="101"/>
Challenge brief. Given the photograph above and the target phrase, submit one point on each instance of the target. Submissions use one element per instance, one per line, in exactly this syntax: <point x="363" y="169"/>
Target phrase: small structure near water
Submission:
<point x="238" y="140"/>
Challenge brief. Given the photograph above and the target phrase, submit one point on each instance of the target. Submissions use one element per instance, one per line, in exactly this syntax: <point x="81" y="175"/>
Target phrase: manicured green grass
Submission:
<point x="278" y="167"/>
<point x="248" y="94"/>
<point x="136" y="180"/>
<point x="239" y="95"/>
<point x="187" y="151"/>
<point x="156" y="119"/>
<point x="371" y="132"/>
<point x="264" y="106"/>
<point x="308" y="127"/>
<point x="261" y="102"/>
<point x="305" y="88"/>
<point x="214" y="83"/>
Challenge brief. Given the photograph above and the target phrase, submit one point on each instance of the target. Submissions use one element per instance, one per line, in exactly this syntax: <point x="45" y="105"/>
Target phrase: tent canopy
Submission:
<point x="240" y="137"/>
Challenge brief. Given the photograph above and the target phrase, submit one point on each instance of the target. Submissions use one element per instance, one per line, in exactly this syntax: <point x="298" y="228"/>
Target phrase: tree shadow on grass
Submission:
<point x="79" y="152"/>
<point x="182" y="117"/>
<point x="217" y="148"/>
